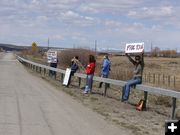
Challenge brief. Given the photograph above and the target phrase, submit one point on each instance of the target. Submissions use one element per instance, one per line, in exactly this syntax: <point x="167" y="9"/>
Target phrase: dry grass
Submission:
<point x="158" y="66"/>
<point x="66" y="56"/>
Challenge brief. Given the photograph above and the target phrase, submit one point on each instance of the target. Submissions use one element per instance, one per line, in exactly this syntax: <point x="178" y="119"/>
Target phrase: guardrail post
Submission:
<point x="154" y="78"/>
<point x="159" y="78"/>
<point x="55" y="75"/>
<point x="62" y="76"/>
<point x="49" y="73"/>
<point x="79" y="82"/>
<point x="145" y="77"/>
<point x="163" y="79"/>
<point x="40" y="70"/>
<point x="44" y="72"/>
<point x="105" y="89"/>
<point x="145" y="100"/>
<point x="173" y="108"/>
<point x="169" y="80"/>
<point x="174" y="82"/>
<point x="149" y="79"/>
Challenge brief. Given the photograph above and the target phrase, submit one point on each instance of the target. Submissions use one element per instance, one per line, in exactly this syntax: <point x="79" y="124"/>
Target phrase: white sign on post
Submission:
<point x="134" y="47"/>
<point x="52" y="56"/>
<point x="67" y="76"/>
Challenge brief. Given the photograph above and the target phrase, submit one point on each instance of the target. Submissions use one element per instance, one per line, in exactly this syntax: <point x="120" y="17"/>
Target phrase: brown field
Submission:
<point x="160" y="72"/>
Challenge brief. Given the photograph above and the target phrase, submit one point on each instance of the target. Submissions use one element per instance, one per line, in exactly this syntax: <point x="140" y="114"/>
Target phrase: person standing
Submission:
<point x="54" y="65"/>
<point x="74" y="68"/>
<point x="52" y="59"/>
<point x="90" y="69"/>
<point x="137" y="77"/>
<point x="105" y="68"/>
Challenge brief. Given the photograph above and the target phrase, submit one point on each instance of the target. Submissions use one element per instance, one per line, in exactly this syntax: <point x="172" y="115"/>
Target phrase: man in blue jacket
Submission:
<point x="106" y="64"/>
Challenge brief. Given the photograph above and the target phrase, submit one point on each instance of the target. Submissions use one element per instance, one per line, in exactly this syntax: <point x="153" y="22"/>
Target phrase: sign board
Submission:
<point x="67" y="76"/>
<point x="134" y="47"/>
<point x="52" y="56"/>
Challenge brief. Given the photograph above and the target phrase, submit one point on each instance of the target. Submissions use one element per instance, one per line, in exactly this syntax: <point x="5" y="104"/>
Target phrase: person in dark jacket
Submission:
<point x="105" y="68"/>
<point x="137" y="78"/>
<point x="74" y="68"/>
<point x="54" y="65"/>
<point x="90" y="69"/>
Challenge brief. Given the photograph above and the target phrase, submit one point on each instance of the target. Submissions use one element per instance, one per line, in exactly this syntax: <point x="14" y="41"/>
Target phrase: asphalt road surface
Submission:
<point x="31" y="106"/>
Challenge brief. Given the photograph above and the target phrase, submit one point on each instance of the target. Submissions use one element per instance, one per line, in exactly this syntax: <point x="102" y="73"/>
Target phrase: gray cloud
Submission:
<point x="83" y="21"/>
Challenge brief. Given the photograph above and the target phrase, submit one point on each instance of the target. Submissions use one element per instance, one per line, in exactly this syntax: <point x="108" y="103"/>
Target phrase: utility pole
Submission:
<point x="48" y="43"/>
<point x="95" y="47"/>
<point x="151" y="46"/>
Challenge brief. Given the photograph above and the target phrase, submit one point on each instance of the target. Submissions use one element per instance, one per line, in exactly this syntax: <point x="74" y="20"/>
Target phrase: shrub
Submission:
<point x="65" y="56"/>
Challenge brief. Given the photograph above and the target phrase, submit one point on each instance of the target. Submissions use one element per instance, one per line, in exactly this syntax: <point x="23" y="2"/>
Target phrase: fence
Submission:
<point x="162" y="80"/>
<point x="146" y="89"/>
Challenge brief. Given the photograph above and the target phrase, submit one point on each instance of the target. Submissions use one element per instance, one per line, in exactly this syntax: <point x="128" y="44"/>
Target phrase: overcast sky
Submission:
<point x="79" y="23"/>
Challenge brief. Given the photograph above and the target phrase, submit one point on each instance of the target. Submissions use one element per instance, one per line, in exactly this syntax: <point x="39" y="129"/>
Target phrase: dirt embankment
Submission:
<point x="150" y="122"/>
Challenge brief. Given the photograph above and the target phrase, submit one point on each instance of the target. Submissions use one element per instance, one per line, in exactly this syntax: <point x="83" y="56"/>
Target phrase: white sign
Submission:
<point x="134" y="47"/>
<point x="52" y="56"/>
<point x="67" y="76"/>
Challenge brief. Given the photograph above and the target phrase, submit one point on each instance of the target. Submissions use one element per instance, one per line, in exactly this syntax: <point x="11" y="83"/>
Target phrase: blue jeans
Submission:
<point x="89" y="83"/>
<point x="127" y="86"/>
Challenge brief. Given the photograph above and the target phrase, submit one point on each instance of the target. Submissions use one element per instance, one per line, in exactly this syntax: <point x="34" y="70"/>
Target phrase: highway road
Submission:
<point x="31" y="106"/>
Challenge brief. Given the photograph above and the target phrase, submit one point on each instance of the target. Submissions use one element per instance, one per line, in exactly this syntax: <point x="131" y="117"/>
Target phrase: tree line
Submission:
<point x="157" y="52"/>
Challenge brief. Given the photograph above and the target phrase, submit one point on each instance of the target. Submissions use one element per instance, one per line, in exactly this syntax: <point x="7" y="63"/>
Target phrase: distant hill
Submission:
<point x="10" y="47"/>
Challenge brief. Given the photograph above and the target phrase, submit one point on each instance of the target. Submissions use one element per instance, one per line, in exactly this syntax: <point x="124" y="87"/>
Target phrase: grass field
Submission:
<point x="157" y="71"/>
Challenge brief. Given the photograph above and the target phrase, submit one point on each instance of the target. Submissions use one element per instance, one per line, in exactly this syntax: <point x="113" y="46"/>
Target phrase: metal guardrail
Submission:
<point x="147" y="89"/>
